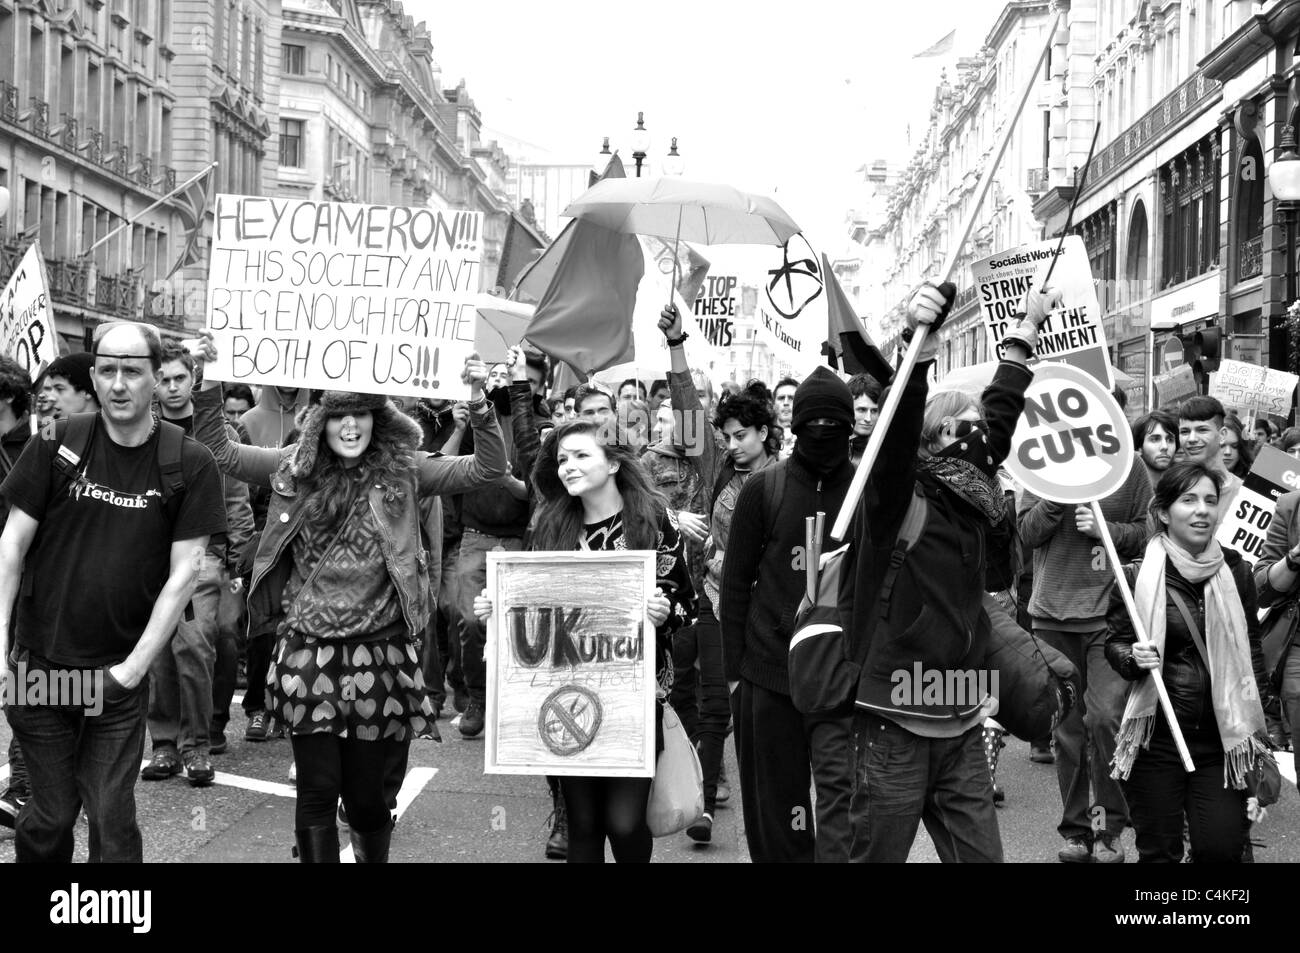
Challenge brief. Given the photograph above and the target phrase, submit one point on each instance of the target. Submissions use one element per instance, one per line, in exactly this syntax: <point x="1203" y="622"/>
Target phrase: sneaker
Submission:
<point x="702" y="830"/>
<point x="1077" y="850"/>
<point x="460" y="700"/>
<point x="1108" y="850"/>
<point x="1041" y="755"/>
<point x="217" y="743"/>
<point x="11" y="802"/>
<point x="999" y="795"/>
<point x="471" y="722"/>
<point x="259" y="726"/>
<point x="166" y="764"/>
<point x="198" y="769"/>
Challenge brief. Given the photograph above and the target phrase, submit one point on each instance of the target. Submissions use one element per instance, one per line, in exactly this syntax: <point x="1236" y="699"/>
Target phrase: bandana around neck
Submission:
<point x="969" y="482"/>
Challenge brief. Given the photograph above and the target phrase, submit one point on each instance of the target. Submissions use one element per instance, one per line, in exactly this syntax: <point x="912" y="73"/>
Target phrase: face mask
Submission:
<point x="822" y="448"/>
<point x="969" y="443"/>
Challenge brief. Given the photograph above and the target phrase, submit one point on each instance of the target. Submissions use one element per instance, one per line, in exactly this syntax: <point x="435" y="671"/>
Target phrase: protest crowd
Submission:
<point x="327" y="552"/>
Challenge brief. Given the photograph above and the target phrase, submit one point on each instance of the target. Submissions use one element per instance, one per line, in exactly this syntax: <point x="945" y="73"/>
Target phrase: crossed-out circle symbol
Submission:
<point x="569" y="719"/>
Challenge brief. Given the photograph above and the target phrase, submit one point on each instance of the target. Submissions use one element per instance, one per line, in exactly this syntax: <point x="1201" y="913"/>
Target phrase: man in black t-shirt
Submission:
<point x="107" y="563"/>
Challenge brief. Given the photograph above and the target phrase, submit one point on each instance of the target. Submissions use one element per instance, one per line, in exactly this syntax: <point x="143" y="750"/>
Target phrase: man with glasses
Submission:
<point x="108" y="552"/>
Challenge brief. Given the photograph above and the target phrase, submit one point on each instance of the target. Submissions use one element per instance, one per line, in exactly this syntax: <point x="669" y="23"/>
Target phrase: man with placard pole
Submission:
<point x="1074" y="446"/>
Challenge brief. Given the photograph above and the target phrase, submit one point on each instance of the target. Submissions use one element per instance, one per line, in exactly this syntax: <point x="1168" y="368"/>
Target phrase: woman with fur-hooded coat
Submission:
<point x="342" y="578"/>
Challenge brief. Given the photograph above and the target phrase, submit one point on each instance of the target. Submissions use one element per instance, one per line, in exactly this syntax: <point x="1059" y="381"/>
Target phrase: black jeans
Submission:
<point x="17" y="769"/>
<point x="77" y="758"/>
<point x="904" y="779"/>
<point x="703" y="704"/>
<point x="1160" y="792"/>
<point x="257" y="662"/>
<point x="782" y="754"/>
<point x="607" y="808"/>
<point x="330" y="767"/>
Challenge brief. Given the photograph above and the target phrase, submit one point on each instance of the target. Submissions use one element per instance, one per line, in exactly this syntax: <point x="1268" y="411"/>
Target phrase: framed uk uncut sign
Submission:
<point x="570" y="664"/>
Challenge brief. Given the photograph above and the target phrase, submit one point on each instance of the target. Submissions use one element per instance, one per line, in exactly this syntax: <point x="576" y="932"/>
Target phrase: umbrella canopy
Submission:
<point x="501" y="325"/>
<point x="671" y="208"/>
<point x="973" y="378"/>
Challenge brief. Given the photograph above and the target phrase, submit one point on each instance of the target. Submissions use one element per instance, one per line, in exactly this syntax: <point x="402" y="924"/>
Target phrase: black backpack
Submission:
<point x="825" y="661"/>
<point x="76" y="435"/>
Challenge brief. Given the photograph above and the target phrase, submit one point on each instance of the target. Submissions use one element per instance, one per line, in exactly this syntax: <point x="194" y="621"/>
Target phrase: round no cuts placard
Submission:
<point x="1073" y="443"/>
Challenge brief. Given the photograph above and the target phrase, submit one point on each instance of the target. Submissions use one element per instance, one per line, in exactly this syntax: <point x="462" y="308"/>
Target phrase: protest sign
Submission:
<point x="1253" y="391"/>
<point x="1245" y="526"/>
<point x="570" y="660"/>
<point x="715" y="309"/>
<point x="1177" y="385"/>
<point x="371" y="298"/>
<point x="26" y="318"/>
<point x="1073" y="443"/>
<point x="1072" y="334"/>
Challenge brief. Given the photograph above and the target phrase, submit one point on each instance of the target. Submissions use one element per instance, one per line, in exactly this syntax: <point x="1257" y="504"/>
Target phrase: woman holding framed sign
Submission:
<point x="595" y="495"/>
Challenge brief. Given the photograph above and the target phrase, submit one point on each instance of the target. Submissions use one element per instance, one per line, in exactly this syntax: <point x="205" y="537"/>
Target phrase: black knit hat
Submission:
<point x="822" y="394"/>
<point x="75" y="369"/>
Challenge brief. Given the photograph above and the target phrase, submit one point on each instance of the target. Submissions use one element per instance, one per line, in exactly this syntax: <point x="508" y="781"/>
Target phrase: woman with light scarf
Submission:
<point x="1188" y="590"/>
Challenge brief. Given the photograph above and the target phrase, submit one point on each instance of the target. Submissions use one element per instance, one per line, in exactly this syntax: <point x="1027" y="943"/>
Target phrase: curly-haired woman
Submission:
<point x="342" y="578"/>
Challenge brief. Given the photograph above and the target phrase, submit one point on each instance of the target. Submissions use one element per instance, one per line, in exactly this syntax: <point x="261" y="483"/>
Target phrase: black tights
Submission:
<point x="613" y="808"/>
<point x="330" y="767"/>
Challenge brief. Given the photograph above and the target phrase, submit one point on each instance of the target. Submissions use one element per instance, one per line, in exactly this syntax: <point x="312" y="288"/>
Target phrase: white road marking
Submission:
<point x="412" y="785"/>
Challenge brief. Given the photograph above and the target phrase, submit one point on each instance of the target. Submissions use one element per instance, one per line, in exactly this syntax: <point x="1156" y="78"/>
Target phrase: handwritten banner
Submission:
<point x="1245" y="527"/>
<point x="1252" y="390"/>
<point x="370" y="298"/>
<point x="570" y="661"/>
<point x="715" y="309"/>
<point x="1072" y="334"/>
<point x="26" y="318"/>
<point x="1174" y="386"/>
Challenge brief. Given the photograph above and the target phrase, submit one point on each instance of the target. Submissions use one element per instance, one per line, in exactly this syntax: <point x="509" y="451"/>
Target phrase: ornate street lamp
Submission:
<point x="640" y="142"/>
<point x="673" y="163"/>
<point x="1284" y="180"/>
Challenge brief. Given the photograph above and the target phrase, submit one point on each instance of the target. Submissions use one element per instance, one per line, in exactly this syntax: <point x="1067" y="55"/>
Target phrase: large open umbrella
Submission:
<point x="702" y="212"/>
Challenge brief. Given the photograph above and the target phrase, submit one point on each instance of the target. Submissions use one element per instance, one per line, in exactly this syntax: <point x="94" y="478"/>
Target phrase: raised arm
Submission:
<point x="488" y="462"/>
<point x="251" y="465"/>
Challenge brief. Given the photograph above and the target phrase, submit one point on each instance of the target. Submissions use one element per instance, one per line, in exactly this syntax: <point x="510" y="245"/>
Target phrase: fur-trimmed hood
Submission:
<point x="393" y="429"/>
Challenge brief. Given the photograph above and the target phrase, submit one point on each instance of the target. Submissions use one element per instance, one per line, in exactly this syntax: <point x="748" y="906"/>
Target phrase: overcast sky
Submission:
<point x="785" y="99"/>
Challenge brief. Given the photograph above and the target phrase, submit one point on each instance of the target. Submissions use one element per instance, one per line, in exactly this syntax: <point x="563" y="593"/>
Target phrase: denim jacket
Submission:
<point x="402" y="541"/>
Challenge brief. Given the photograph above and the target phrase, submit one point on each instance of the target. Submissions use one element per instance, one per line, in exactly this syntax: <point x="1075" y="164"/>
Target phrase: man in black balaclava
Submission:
<point x="779" y="750"/>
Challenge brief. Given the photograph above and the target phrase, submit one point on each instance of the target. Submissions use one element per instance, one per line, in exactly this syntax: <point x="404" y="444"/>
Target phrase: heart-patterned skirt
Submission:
<point x="354" y="689"/>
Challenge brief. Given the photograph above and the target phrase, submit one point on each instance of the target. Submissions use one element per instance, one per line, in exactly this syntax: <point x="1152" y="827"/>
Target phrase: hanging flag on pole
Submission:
<point x="848" y="347"/>
<point x="191" y="205"/>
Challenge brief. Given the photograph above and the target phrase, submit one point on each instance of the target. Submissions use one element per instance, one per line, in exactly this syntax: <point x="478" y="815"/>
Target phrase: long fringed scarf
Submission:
<point x="969" y="482"/>
<point x="1238" y="713"/>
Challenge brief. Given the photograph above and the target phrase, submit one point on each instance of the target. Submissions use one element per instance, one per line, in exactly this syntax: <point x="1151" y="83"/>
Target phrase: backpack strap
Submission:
<point x="773" y="496"/>
<point x="1190" y="621"/>
<point x="913" y="526"/>
<point x="72" y="454"/>
<point x="171" y="439"/>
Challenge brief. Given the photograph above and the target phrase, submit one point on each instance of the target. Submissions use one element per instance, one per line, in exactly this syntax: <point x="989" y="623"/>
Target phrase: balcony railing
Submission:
<point x="144" y="171"/>
<point x="1036" y="181"/>
<point x="8" y="101"/>
<point x="69" y="138"/>
<point x="1250" y="258"/>
<point x="67" y="281"/>
<point x="40" y="115"/>
<point x="119" y="160"/>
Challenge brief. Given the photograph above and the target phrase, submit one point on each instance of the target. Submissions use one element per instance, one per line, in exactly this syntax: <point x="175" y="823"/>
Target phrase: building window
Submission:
<point x="291" y="143"/>
<point x="1189" y="212"/>
<point x="294" y="57"/>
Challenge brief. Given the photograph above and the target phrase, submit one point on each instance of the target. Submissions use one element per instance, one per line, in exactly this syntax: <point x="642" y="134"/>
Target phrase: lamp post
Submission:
<point x="640" y="143"/>
<point x="1284" y="180"/>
